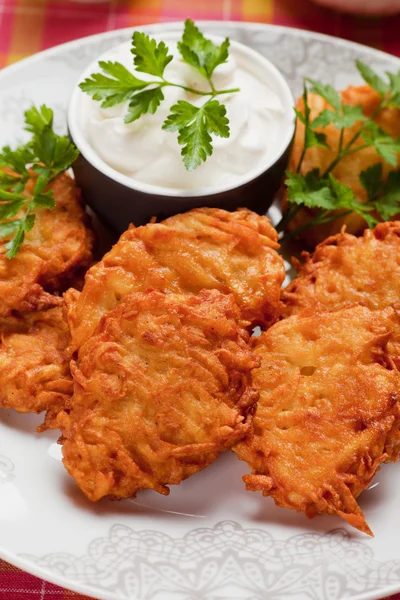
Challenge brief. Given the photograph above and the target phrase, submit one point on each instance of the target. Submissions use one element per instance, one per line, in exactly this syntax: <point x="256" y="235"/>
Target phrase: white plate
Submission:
<point x="210" y="539"/>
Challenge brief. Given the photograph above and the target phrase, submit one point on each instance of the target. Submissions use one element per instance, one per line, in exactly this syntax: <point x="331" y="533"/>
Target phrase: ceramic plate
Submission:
<point x="210" y="538"/>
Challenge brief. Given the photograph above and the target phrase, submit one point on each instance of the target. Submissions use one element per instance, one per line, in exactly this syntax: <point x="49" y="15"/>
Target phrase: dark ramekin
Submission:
<point x="119" y="200"/>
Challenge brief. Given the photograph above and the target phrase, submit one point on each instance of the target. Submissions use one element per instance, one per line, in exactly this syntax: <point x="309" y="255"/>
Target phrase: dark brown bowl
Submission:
<point x="120" y="200"/>
<point x="118" y="205"/>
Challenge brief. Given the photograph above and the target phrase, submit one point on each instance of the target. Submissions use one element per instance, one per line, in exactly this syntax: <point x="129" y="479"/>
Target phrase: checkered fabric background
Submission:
<point x="28" y="26"/>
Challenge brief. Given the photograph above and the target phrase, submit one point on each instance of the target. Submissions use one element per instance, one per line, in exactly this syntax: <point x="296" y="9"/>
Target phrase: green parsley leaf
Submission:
<point x="195" y="126"/>
<point x="344" y="195"/>
<point x="44" y="176"/>
<point x="47" y="155"/>
<point x="54" y="151"/>
<point x="325" y="118"/>
<point x="327" y="92"/>
<point x="150" y="57"/>
<point x="300" y="115"/>
<point x="350" y="115"/>
<point x="384" y="144"/>
<point x="20" y="226"/>
<point x="17" y="160"/>
<point x="45" y="200"/>
<point x="8" y="210"/>
<point x="29" y="222"/>
<point x="372" y="78"/>
<point x="314" y="138"/>
<point x="8" y="181"/>
<point x="9" y="227"/>
<point x="200" y="52"/>
<point x="116" y="85"/>
<point x="115" y="89"/>
<point x="388" y="204"/>
<point x="309" y="190"/>
<point x="15" y="243"/>
<point x="144" y="102"/>
<point x="326" y="194"/>
<point x="311" y="138"/>
<point x="37" y="119"/>
<point x="346" y="117"/>
<point x="370" y="179"/>
<point x="8" y="196"/>
<point x="215" y="116"/>
<point x="394" y="98"/>
<point x="182" y="113"/>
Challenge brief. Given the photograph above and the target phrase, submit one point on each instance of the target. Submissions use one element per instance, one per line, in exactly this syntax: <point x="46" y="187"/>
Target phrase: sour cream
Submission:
<point x="260" y="116"/>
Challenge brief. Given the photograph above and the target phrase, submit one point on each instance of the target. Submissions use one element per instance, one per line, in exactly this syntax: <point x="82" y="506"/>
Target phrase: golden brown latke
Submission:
<point x="201" y="249"/>
<point x="345" y="270"/>
<point x="328" y="413"/>
<point x="34" y="372"/>
<point x="349" y="169"/>
<point x="54" y="253"/>
<point x="161" y="388"/>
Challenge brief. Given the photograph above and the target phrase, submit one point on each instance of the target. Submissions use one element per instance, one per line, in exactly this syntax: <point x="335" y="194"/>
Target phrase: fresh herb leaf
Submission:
<point x="372" y="78"/>
<point x="37" y="119"/>
<point x="347" y="116"/>
<point x="384" y="144"/>
<point x="150" y="57"/>
<point x="325" y="118"/>
<point x="45" y="200"/>
<point x="344" y="195"/>
<point x="24" y="226"/>
<point x="8" y="181"/>
<point x="8" y="227"/>
<point x="327" y="196"/>
<point x="116" y="85"/>
<point x="46" y="156"/>
<point x="200" y="52"/>
<point x="54" y="151"/>
<point x="345" y="198"/>
<point x="17" y="159"/>
<point x="144" y="102"/>
<point x="8" y="210"/>
<point x="388" y="204"/>
<point x="216" y="120"/>
<point x="394" y="97"/>
<point x="114" y="89"/>
<point x="315" y="139"/>
<point x="195" y="126"/>
<point x="327" y="92"/>
<point x="370" y="179"/>
<point x="15" y="243"/>
<point x="309" y="191"/>
<point x="311" y="138"/>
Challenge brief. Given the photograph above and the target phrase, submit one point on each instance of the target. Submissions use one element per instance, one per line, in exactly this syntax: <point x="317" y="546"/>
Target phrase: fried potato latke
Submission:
<point x="34" y="371"/>
<point x="345" y="270"/>
<point x="328" y="413"/>
<point x="349" y="169"/>
<point x="161" y="388"/>
<point x="201" y="249"/>
<point x="55" y="252"/>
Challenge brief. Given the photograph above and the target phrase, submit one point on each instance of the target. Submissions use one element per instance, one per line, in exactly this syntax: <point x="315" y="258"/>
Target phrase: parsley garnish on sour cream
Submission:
<point x="195" y="124"/>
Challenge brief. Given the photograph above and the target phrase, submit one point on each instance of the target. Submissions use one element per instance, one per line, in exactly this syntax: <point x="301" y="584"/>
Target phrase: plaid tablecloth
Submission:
<point x="27" y="26"/>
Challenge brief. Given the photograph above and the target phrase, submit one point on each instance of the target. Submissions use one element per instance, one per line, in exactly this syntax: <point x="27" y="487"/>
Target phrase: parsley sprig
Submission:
<point x="44" y="157"/>
<point x="322" y="192"/>
<point x="195" y="125"/>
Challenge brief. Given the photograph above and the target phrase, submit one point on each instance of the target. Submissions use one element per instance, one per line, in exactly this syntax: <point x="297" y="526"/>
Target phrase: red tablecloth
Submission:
<point x="27" y="26"/>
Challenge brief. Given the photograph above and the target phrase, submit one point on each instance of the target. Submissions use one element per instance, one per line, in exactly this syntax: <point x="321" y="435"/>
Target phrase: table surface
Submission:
<point x="28" y="26"/>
